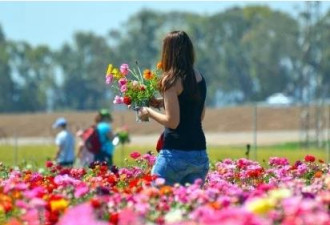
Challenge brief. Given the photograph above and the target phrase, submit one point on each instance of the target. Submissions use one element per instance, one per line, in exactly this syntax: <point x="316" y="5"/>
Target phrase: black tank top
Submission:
<point x="189" y="134"/>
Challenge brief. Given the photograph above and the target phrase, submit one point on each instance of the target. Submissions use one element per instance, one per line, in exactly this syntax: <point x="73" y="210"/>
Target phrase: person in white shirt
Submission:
<point x="65" y="143"/>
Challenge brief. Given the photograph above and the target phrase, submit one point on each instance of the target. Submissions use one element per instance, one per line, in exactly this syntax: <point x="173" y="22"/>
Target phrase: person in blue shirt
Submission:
<point x="65" y="143"/>
<point x="103" y="124"/>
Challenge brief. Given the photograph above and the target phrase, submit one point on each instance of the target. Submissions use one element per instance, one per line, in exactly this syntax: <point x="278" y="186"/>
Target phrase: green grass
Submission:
<point x="37" y="155"/>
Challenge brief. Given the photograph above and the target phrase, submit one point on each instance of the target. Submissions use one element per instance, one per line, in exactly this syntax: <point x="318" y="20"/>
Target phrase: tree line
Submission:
<point x="245" y="53"/>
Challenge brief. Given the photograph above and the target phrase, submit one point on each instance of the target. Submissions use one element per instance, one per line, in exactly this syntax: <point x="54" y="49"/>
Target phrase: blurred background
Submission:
<point x="266" y="66"/>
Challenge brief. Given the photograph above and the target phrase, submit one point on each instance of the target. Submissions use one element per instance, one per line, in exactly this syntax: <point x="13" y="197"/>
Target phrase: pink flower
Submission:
<point x="65" y="180"/>
<point x="80" y="190"/>
<point x="31" y="217"/>
<point x="124" y="69"/>
<point x="34" y="193"/>
<point x="128" y="216"/>
<point x="122" y="82"/>
<point x="22" y="204"/>
<point x="150" y="159"/>
<point x="85" y="216"/>
<point x="118" y="100"/>
<point x="160" y="181"/>
<point x="109" y="79"/>
<point x="135" y="155"/>
<point x="123" y="88"/>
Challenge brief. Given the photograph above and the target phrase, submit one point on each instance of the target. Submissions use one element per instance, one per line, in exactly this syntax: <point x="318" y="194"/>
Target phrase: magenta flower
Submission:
<point x="122" y="82"/>
<point x="278" y="161"/>
<point x="118" y="100"/>
<point x="135" y="155"/>
<point x="124" y="69"/>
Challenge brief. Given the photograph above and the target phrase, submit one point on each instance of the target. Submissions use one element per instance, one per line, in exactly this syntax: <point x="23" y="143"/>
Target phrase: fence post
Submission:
<point x="255" y="130"/>
<point x="15" y="148"/>
<point x="327" y="128"/>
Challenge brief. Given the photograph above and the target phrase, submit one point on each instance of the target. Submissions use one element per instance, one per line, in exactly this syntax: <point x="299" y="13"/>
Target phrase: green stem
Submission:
<point x="142" y="81"/>
<point x="134" y="74"/>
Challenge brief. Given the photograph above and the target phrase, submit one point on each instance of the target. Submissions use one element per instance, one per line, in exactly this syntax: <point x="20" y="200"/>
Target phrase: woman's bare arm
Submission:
<point x="171" y="116"/>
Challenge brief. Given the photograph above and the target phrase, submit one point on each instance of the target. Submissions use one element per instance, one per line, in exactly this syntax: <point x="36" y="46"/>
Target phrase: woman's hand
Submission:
<point x="143" y="113"/>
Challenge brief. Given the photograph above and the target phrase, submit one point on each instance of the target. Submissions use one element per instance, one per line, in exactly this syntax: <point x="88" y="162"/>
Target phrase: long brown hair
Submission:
<point x="178" y="59"/>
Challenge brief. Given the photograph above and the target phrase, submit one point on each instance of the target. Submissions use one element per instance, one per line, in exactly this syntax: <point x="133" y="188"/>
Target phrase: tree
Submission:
<point x="34" y="75"/>
<point x="272" y="47"/>
<point x="7" y="84"/>
<point x="83" y="66"/>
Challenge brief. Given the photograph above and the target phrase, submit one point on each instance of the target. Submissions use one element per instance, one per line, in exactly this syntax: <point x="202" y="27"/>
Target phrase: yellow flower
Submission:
<point x="109" y="70"/>
<point x="59" y="205"/>
<point x="279" y="194"/>
<point x="117" y="74"/>
<point x="260" y="205"/>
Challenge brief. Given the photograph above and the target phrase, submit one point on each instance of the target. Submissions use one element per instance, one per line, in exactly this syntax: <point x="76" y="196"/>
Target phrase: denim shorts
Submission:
<point x="179" y="166"/>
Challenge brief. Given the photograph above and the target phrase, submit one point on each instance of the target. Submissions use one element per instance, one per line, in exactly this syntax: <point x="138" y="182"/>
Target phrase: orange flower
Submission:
<point x="159" y="65"/>
<point x="147" y="74"/>
<point x="318" y="174"/>
<point x="165" y="190"/>
<point x="215" y="205"/>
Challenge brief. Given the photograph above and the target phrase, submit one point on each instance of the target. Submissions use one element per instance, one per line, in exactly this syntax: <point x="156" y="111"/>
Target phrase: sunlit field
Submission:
<point x="38" y="155"/>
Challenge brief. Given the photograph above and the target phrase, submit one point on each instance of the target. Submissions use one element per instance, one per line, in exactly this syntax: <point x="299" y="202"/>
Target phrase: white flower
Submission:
<point x="174" y="216"/>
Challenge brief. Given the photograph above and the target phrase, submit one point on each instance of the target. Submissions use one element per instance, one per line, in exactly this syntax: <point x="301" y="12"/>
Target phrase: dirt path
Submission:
<point x="233" y="138"/>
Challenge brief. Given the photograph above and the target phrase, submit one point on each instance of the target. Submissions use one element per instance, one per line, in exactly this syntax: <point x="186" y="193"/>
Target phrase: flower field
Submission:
<point x="236" y="192"/>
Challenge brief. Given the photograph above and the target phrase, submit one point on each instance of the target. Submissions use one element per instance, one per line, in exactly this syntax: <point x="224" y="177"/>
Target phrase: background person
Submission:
<point x="65" y="143"/>
<point x="183" y="158"/>
<point x="84" y="157"/>
<point x="103" y="121"/>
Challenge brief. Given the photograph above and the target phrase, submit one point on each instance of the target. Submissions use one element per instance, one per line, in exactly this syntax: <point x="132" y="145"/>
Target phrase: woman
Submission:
<point x="183" y="158"/>
<point x="106" y="135"/>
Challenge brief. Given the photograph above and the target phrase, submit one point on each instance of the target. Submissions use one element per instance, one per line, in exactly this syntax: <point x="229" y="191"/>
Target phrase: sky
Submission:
<point x="54" y="23"/>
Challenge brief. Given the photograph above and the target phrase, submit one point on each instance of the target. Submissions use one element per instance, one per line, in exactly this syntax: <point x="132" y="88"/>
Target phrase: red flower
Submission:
<point x="114" y="218"/>
<point x="49" y="164"/>
<point x="142" y="88"/>
<point x="309" y="158"/>
<point x="127" y="100"/>
<point x="95" y="203"/>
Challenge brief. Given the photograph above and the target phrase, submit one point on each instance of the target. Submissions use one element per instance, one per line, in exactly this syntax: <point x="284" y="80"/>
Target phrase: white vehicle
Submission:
<point x="279" y="99"/>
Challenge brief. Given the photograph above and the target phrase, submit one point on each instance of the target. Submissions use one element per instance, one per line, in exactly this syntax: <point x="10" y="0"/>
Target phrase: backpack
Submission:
<point x="92" y="140"/>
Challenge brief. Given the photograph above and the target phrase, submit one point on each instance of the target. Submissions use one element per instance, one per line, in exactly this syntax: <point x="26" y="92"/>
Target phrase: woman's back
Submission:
<point x="189" y="134"/>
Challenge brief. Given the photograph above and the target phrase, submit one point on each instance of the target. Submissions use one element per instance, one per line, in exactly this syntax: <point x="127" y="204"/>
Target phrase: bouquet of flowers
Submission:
<point x="131" y="86"/>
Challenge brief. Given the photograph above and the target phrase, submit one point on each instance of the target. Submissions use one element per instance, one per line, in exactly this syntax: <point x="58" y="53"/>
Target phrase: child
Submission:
<point x="84" y="157"/>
